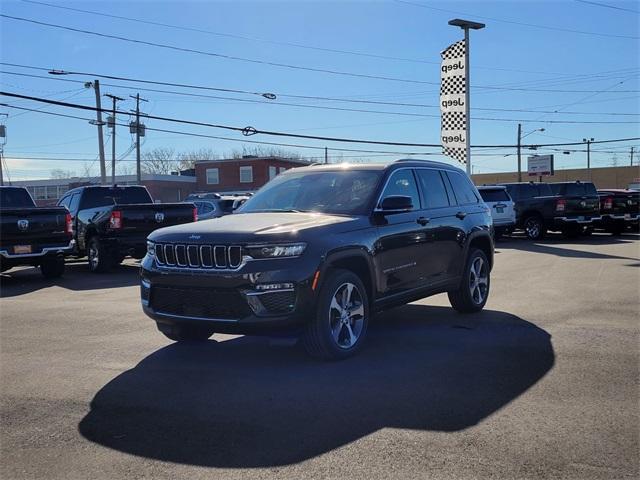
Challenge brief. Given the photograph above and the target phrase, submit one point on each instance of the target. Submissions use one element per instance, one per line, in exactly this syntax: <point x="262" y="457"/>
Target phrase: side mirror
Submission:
<point x="396" y="204"/>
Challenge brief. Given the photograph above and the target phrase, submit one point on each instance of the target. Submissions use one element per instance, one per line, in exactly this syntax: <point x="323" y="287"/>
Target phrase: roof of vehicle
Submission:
<point x="492" y="187"/>
<point x="616" y="190"/>
<point x="403" y="162"/>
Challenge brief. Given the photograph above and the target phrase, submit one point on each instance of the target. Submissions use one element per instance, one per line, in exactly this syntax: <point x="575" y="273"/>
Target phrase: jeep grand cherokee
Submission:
<point x="318" y="250"/>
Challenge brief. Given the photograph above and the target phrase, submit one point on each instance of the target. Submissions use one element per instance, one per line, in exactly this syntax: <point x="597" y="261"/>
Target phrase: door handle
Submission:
<point x="422" y="221"/>
<point x="461" y="215"/>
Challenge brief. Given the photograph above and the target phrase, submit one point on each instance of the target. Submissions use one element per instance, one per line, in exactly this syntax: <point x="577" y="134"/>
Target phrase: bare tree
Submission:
<point x="263" y="151"/>
<point x="159" y="161"/>
<point x="60" y="174"/>
<point x="126" y="168"/>
<point x="189" y="159"/>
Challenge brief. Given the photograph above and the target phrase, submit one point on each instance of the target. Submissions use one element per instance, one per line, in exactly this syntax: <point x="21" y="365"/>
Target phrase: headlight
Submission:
<point x="151" y="248"/>
<point x="276" y="251"/>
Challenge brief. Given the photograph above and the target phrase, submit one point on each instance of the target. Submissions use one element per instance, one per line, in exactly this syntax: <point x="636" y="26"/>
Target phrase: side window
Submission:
<point x="434" y="193"/>
<point x="462" y="189"/>
<point x="528" y="191"/>
<point x="73" y="202"/>
<point x="402" y="182"/>
<point x="64" y="202"/>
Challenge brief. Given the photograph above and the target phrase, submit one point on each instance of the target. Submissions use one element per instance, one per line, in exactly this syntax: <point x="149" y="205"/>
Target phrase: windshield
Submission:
<point x="102" y="197"/>
<point x="342" y="192"/>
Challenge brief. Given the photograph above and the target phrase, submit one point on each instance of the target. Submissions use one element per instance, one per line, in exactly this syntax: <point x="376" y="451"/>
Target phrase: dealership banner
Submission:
<point x="453" y="131"/>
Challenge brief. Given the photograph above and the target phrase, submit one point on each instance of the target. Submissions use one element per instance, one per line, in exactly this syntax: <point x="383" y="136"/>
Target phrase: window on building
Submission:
<point x="52" y="191"/>
<point x="39" y="193"/>
<point x="273" y="171"/>
<point x="246" y="174"/>
<point x="213" y="176"/>
<point x="282" y="169"/>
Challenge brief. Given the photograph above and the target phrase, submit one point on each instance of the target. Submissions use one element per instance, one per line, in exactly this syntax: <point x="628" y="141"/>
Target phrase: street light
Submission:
<point x="467" y="25"/>
<point x="520" y="137"/>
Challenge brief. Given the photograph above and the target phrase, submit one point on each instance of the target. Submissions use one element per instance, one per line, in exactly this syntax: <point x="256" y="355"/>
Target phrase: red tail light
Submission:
<point x="608" y="203"/>
<point x="68" y="228"/>
<point x="115" y="222"/>
<point x="195" y="214"/>
<point x="560" y="205"/>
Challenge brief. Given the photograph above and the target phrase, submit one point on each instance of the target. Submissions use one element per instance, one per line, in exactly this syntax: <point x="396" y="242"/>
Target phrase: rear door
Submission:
<point x="440" y="208"/>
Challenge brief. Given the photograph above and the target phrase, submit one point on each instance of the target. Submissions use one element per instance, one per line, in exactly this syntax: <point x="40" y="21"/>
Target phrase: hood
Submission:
<point x="253" y="227"/>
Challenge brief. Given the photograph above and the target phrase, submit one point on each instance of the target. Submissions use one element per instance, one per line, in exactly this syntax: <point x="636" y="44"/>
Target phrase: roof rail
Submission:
<point x="410" y="160"/>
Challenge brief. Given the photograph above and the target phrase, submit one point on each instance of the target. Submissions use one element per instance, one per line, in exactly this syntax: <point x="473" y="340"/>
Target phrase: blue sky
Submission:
<point x="586" y="68"/>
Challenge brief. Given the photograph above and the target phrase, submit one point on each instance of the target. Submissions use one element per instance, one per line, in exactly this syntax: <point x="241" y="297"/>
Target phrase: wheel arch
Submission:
<point x="356" y="260"/>
<point x="482" y="241"/>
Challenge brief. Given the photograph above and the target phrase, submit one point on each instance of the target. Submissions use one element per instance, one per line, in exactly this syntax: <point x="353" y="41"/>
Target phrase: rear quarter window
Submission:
<point x="462" y="188"/>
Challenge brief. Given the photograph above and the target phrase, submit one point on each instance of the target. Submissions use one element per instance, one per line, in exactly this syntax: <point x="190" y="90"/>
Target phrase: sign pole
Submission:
<point x="467" y="96"/>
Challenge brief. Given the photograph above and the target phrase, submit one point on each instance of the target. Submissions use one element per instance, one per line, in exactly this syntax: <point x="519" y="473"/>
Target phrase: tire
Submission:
<point x="534" y="227"/>
<point x="472" y="296"/>
<point x="185" y="333"/>
<point x="52" y="267"/>
<point x="99" y="258"/>
<point x="336" y="332"/>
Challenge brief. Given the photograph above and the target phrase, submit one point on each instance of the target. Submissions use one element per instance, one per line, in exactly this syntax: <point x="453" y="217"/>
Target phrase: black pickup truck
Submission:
<point x="31" y="235"/>
<point x="112" y="222"/>
<point x="568" y="207"/>
<point x="620" y="209"/>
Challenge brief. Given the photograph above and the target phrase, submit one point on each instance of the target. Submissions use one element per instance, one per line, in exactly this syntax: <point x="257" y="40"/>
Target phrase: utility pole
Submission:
<point x="113" y="137"/>
<point x="631" y="157"/>
<point x="138" y="128"/>
<point x="3" y="141"/>
<point x="519" y="154"/>
<point x="103" y="168"/>
<point x="466" y="25"/>
<point x="588" y="141"/>
<point x="326" y="155"/>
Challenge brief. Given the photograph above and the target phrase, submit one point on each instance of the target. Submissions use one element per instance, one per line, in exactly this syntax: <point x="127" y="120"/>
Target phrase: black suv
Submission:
<point x="318" y="250"/>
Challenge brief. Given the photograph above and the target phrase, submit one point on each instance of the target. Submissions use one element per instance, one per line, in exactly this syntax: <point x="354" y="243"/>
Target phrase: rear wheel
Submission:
<point x="473" y="292"/>
<point x="534" y="227"/>
<point x="52" y="267"/>
<point x="185" y="333"/>
<point x="100" y="260"/>
<point x="340" y="325"/>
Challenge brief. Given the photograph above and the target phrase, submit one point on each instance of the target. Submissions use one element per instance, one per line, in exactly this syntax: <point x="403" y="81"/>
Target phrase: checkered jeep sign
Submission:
<point x="452" y="101"/>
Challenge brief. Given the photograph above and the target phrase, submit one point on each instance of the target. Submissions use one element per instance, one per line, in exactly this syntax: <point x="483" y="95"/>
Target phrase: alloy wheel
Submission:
<point x="346" y="316"/>
<point x="478" y="280"/>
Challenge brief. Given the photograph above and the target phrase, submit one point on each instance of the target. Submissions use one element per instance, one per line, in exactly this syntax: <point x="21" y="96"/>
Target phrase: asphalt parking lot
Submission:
<point x="543" y="383"/>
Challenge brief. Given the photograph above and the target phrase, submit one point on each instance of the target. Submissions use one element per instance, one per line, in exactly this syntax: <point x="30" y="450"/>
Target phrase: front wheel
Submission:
<point x="473" y="292"/>
<point x="338" y="329"/>
<point x="52" y="267"/>
<point x="100" y="260"/>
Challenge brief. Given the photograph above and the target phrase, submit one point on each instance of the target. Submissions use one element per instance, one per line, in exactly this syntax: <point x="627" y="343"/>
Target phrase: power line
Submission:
<point x="248" y="131"/>
<point x="523" y="24"/>
<point x="607" y="6"/>
<point x="356" y="110"/>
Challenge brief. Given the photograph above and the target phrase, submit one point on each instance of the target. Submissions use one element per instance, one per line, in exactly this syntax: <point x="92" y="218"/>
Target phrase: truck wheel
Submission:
<point x="534" y="227"/>
<point x="52" y="267"/>
<point x="338" y="329"/>
<point x="473" y="292"/>
<point x="185" y="333"/>
<point x="100" y="260"/>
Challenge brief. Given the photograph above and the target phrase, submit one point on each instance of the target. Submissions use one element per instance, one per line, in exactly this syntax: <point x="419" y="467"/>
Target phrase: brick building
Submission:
<point x="244" y="174"/>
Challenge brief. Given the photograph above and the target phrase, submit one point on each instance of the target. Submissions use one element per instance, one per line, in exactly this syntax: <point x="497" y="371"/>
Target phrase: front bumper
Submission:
<point x="230" y="302"/>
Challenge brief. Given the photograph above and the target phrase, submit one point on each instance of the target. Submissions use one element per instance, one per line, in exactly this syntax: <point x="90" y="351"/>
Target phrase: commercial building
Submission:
<point x="245" y="174"/>
<point x="163" y="188"/>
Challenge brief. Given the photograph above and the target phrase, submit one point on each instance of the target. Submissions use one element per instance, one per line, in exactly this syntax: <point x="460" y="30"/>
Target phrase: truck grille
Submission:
<point x="180" y="255"/>
<point x="199" y="303"/>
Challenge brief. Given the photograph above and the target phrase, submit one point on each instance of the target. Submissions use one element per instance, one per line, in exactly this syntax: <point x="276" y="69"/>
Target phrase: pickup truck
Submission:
<point x="31" y="235"/>
<point x="568" y="207"/>
<point x="620" y="209"/>
<point x="112" y="222"/>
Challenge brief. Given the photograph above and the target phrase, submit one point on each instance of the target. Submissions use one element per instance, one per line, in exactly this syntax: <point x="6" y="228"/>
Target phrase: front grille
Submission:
<point x="278" y="302"/>
<point x="180" y="255"/>
<point x="199" y="302"/>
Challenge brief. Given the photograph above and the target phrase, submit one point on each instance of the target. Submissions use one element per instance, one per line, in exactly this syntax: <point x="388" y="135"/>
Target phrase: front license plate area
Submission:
<point x="21" y="249"/>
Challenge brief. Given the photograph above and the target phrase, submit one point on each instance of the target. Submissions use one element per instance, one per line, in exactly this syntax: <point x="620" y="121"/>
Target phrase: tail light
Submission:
<point x="608" y="203"/>
<point x="68" y="224"/>
<point x="195" y="214"/>
<point x="115" y="222"/>
<point x="560" y="205"/>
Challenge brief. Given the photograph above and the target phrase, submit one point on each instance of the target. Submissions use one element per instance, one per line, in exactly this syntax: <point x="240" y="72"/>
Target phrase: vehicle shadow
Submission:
<point x="77" y="277"/>
<point x="241" y="403"/>
<point x="558" y="245"/>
